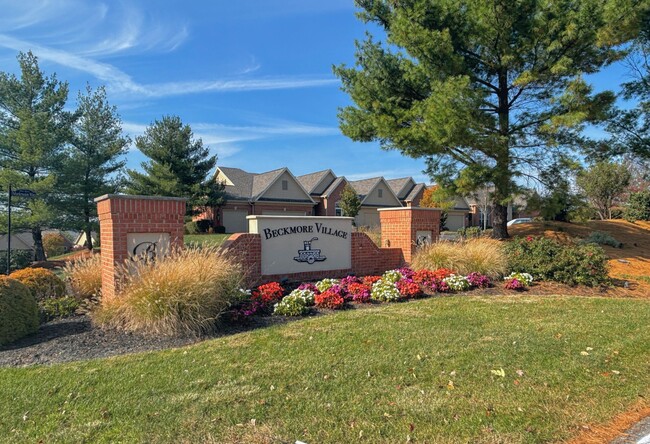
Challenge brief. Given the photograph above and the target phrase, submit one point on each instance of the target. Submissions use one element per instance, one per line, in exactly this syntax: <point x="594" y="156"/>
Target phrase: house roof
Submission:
<point x="334" y="185"/>
<point x="311" y="181"/>
<point x="414" y="192"/>
<point x="21" y="240"/>
<point x="252" y="186"/>
<point x="365" y="186"/>
<point x="400" y="186"/>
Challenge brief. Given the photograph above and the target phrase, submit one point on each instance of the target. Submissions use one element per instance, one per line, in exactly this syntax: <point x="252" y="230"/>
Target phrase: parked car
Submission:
<point x="520" y="220"/>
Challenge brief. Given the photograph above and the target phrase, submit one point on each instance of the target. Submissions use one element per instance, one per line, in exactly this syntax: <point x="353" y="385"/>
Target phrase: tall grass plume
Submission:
<point x="481" y="255"/>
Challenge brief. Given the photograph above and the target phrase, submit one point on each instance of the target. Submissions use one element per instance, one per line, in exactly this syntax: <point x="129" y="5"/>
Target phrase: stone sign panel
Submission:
<point x="147" y="246"/>
<point x="296" y="244"/>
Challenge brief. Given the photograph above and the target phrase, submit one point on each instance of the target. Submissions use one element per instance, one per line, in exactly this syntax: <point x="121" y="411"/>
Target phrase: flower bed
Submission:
<point x="334" y="294"/>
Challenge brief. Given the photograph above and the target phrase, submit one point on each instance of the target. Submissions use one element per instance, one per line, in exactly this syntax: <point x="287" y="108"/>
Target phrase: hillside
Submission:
<point x="630" y="263"/>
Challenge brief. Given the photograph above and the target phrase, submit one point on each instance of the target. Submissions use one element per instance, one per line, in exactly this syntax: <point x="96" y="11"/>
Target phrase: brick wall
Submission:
<point x="367" y="259"/>
<point x="122" y="214"/>
<point x="400" y="225"/>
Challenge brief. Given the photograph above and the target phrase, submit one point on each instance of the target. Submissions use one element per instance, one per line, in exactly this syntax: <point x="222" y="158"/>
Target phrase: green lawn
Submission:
<point x="206" y="239"/>
<point x="428" y="371"/>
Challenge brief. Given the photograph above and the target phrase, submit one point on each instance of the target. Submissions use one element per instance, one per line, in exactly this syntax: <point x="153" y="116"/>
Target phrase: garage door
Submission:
<point x="282" y="213"/>
<point x="235" y="221"/>
<point x="455" y="221"/>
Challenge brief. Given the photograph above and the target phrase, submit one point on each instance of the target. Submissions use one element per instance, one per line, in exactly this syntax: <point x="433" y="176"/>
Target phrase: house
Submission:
<point x="481" y="208"/>
<point x="80" y="239"/>
<point x="21" y="240"/>
<point x="279" y="192"/>
<point x="459" y="215"/>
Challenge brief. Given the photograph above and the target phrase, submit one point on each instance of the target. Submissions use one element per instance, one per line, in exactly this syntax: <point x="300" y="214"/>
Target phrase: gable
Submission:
<point x="381" y="195"/>
<point x="324" y="183"/>
<point x="222" y="178"/>
<point x="293" y="192"/>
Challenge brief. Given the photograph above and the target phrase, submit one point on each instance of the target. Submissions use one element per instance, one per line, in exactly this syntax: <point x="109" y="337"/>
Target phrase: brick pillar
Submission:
<point x="120" y="215"/>
<point x="400" y="227"/>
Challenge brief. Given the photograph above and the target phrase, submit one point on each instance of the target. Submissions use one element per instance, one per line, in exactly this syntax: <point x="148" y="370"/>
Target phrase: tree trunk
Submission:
<point x="88" y="230"/>
<point x="39" y="251"/>
<point x="499" y="221"/>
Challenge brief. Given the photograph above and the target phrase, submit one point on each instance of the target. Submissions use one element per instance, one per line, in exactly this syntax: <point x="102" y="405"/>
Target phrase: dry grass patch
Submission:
<point x="485" y="256"/>
<point x="84" y="276"/>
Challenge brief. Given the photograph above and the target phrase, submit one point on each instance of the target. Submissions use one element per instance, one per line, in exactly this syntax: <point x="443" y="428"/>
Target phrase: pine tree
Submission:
<point x="93" y="163"/>
<point x="178" y="166"/>
<point x="34" y="128"/>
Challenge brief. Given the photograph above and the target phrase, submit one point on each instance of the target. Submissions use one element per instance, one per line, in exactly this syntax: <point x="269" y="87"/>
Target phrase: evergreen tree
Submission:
<point x="34" y="128"/>
<point x="93" y="163"/>
<point x="178" y="166"/>
<point x="485" y="90"/>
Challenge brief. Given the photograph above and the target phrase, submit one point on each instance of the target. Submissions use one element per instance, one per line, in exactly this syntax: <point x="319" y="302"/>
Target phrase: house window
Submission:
<point x="337" y="210"/>
<point x="380" y="192"/>
<point x="285" y="185"/>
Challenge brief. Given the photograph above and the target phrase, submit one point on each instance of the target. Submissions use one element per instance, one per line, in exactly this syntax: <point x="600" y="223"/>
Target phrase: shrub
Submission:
<point x="385" y="291"/>
<point x="84" y="277"/>
<point x="191" y="227"/>
<point x="54" y="244"/>
<point x="329" y="299"/>
<point x="57" y="308"/>
<point x="456" y="282"/>
<point x="548" y="259"/>
<point x="18" y="310"/>
<point x="638" y="206"/>
<point x="360" y="293"/>
<point x="469" y="232"/>
<point x="41" y="282"/>
<point x="478" y="280"/>
<point x="19" y="259"/>
<point x="326" y="284"/>
<point x="204" y="225"/>
<point x="220" y="229"/>
<point x="598" y="237"/>
<point x="481" y="255"/>
<point x="184" y="292"/>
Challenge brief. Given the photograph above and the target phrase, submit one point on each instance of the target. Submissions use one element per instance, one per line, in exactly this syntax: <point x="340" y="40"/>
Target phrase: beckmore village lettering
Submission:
<point x="318" y="227"/>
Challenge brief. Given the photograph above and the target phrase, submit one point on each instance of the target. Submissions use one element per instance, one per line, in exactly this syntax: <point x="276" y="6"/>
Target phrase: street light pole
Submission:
<point x="9" y="235"/>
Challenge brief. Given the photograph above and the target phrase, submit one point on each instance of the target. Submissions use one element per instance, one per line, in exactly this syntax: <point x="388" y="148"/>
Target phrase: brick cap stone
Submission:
<point x="409" y="209"/>
<point x="299" y="217"/>
<point x="132" y="196"/>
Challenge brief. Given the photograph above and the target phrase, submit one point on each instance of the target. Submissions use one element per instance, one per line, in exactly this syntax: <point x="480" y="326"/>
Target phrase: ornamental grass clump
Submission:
<point x="84" y="277"/>
<point x="182" y="293"/>
<point x="482" y="255"/>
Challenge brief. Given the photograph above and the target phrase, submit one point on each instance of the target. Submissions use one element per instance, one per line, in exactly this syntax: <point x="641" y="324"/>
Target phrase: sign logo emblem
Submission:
<point x="145" y="251"/>
<point x="308" y="254"/>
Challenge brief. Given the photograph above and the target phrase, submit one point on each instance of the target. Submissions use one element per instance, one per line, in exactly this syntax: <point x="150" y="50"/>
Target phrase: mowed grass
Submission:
<point x="206" y="239"/>
<point x="424" y="371"/>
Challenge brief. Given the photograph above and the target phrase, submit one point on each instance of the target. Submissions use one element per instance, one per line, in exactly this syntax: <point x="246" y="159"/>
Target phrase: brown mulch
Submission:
<point x="617" y="427"/>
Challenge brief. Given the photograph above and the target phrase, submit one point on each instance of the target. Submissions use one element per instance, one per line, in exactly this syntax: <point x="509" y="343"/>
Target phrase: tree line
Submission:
<point x="69" y="157"/>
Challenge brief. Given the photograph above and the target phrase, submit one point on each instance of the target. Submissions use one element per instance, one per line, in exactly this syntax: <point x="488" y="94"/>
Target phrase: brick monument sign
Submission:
<point x="136" y="226"/>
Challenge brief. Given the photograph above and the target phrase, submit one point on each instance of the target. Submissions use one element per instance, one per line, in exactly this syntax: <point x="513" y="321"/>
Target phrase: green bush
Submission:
<point x="191" y="228"/>
<point x="19" y="259"/>
<point x="41" y="282"/>
<point x="204" y="225"/>
<point x="600" y="238"/>
<point x="469" y="232"/>
<point x="548" y="259"/>
<point x="638" y="207"/>
<point x="220" y="229"/>
<point x="57" y="308"/>
<point x="18" y="311"/>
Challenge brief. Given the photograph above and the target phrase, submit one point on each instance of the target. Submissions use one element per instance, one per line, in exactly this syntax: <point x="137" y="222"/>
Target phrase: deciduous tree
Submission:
<point x="603" y="183"/>
<point x="349" y="202"/>
<point x="485" y="90"/>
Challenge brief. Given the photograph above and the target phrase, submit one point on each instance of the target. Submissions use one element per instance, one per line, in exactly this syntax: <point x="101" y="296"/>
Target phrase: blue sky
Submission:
<point x="252" y="77"/>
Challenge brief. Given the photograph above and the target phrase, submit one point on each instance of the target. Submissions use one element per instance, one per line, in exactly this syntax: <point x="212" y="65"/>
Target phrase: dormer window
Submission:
<point x="380" y="192"/>
<point x="285" y="185"/>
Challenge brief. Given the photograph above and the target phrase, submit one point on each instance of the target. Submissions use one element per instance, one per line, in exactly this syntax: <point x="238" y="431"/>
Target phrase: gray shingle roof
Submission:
<point x="263" y="180"/>
<point x="311" y="180"/>
<point x="363" y="187"/>
<point x="242" y="183"/>
<point x="397" y="185"/>
<point x="414" y="191"/>
<point x="330" y="189"/>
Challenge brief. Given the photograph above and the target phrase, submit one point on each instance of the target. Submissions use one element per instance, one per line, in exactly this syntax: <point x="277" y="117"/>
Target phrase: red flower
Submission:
<point x="408" y="288"/>
<point x="268" y="293"/>
<point x="369" y="280"/>
<point x="329" y="299"/>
